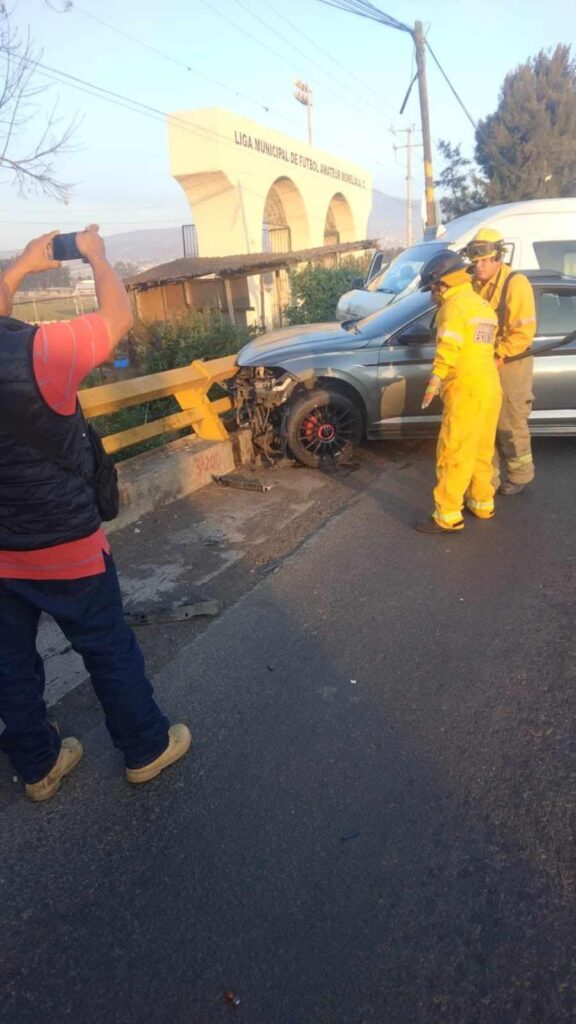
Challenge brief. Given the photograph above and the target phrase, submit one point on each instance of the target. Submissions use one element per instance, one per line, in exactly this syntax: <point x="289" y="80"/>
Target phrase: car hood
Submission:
<point x="274" y="348"/>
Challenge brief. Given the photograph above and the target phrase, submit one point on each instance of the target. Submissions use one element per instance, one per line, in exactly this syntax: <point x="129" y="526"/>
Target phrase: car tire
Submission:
<point x="323" y="428"/>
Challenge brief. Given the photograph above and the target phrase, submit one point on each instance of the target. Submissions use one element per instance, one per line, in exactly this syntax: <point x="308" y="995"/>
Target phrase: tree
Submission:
<point x="463" y="189"/>
<point x="126" y="268"/>
<point x="59" y="278"/>
<point x="527" y="148"/>
<point x="29" y="164"/>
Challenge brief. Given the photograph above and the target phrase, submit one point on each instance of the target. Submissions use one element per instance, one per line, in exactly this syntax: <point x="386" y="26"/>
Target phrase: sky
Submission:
<point x="244" y="55"/>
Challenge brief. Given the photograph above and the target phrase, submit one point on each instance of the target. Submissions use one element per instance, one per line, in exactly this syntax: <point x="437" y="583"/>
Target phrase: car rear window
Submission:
<point x="556" y="312"/>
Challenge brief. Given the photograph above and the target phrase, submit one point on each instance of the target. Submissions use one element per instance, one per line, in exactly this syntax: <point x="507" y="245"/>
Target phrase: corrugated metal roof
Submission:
<point x="187" y="269"/>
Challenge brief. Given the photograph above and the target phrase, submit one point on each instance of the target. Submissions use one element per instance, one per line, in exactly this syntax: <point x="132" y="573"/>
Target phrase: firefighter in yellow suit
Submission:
<point x="511" y="297"/>
<point x="465" y="375"/>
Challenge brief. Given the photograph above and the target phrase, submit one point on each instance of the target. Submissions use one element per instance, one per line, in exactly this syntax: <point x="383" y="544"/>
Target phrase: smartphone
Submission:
<point x="64" y="247"/>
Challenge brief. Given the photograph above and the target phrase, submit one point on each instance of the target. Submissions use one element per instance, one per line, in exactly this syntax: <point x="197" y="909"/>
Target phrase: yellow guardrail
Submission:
<point x="189" y="385"/>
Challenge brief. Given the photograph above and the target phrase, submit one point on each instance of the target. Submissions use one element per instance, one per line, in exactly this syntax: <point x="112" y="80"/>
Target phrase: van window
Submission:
<point x="556" y="313"/>
<point x="559" y="256"/>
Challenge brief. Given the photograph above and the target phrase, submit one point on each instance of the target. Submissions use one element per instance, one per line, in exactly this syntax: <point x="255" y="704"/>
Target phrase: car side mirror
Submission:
<point x="357" y="282"/>
<point x="418" y="336"/>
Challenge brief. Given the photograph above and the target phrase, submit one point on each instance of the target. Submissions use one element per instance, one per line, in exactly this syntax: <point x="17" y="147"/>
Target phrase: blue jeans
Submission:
<point x="89" y="613"/>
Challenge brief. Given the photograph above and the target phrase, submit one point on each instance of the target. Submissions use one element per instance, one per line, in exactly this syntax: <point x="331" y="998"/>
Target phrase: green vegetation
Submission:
<point x="463" y="190"/>
<point x="316" y="290"/>
<point x="165" y="345"/>
<point x="526" y="149"/>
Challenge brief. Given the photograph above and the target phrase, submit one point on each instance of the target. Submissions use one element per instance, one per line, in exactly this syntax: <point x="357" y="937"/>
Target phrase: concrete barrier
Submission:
<point x="150" y="481"/>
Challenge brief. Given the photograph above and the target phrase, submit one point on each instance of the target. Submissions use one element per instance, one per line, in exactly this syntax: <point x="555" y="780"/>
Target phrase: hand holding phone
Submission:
<point x="64" y="247"/>
<point x="90" y="244"/>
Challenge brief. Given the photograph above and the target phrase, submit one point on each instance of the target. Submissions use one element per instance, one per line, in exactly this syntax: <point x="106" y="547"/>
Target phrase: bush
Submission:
<point x="316" y="290"/>
<point x="166" y="345"/>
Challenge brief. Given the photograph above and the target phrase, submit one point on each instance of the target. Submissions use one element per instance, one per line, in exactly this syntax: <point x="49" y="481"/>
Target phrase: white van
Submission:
<point x="537" y="233"/>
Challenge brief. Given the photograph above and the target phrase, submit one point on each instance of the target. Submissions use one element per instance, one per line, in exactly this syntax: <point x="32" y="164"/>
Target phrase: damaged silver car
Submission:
<point x="314" y="391"/>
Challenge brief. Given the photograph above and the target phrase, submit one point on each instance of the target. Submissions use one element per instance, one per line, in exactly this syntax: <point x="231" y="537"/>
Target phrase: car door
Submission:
<point x="554" y="371"/>
<point x="405" y="361"/>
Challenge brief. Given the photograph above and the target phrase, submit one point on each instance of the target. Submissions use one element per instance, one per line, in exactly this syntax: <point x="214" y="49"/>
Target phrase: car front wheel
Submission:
<point x="322" y="428"/>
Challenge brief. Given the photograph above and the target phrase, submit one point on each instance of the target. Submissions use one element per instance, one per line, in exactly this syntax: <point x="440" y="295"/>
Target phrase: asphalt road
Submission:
<point x="376" y="825"/>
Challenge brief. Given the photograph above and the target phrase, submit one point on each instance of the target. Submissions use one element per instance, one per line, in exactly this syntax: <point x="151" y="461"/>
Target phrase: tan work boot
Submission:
<point x="179" y="741"/>
<point x="70" y="753"/>
<point x="509" y="488"/>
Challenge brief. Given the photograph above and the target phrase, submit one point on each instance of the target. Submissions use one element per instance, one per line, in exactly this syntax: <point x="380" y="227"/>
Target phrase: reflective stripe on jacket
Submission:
<point x="466" y="329"/>
<point x="519" y="313"/>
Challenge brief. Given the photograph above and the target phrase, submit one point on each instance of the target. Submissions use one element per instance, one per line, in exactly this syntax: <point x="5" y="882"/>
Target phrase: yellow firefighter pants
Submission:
<point x="513" y="450"/>
<point x="466" y="448"/>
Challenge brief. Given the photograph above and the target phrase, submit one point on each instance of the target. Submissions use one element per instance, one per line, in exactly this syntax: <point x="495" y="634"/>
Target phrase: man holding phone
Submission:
<point x="54" y="555"/>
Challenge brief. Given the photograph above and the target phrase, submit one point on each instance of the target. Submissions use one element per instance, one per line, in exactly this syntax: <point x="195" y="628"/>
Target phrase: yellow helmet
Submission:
<point x="486" y="244"/>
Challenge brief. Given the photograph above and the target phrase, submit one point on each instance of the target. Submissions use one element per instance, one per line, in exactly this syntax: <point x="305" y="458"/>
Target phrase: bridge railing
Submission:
<point x="189" y="385"/>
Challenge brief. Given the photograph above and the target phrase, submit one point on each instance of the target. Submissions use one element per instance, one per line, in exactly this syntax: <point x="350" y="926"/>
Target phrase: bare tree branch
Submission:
<point x="29" y="165"/>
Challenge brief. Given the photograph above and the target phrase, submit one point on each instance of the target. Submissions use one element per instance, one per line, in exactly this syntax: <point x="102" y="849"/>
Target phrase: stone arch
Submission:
<point x="339" y="225"/>
<point x="285" y="221"/>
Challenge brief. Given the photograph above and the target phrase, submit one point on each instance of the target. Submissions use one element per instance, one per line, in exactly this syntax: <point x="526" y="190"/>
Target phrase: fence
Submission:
<point x="189" y="385"/>
<point x="41" y="308"/>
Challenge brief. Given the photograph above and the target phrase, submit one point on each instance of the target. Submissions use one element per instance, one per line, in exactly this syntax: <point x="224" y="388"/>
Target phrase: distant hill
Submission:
<point x="147" y="248"/>
<point x="151" y="246"/>
<point x="387" y="220"/>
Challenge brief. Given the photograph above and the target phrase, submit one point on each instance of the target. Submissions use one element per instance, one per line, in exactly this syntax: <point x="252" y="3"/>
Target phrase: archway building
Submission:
<point x="253" y="190"/>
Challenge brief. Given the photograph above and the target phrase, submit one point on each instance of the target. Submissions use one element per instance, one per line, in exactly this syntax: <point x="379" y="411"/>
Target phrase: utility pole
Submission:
<point x="420" y="44"/>
<point x="303" y="93"/>
<point x="367" y="10"/>
<point x="408" y="147"/>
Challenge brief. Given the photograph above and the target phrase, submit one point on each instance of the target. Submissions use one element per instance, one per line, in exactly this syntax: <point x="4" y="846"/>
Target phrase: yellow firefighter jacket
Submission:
<point x="465" y="335"/>
<point x="519" y="325"/>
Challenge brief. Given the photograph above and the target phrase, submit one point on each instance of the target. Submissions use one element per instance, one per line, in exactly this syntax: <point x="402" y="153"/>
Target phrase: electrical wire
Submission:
<point x="136" y="106"/>
<point x="368" y="10"/>
<point x="365" y="98"/>
<point x="342" y="98"/>
<point x="70" y="6"/>
<point x="453" y="90"/>
<point x="152" y="112"/>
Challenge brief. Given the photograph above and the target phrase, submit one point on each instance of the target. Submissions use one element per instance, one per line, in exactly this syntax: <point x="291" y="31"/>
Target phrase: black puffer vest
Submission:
<point x="43" y="500"/>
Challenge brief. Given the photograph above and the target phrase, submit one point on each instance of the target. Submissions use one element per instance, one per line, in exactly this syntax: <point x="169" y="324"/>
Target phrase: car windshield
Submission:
<point x="404" y="268"/>
<point x="390" y="319"/>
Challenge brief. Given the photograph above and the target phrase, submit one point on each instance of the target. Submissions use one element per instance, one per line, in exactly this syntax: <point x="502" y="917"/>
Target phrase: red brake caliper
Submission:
<point x="310" y="424"/>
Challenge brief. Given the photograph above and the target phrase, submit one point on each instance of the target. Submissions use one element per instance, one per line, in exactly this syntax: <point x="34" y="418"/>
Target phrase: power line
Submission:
<point x="69" y="6"/>
<point x="341" y="66"/>
<point x="368" y="10"/>
<point x="161" y="53"/>
<point x="136" y="107"/>
<point x="260" y="42"/>
<point x="315" y="63"/>
<point x="460" y="100"/>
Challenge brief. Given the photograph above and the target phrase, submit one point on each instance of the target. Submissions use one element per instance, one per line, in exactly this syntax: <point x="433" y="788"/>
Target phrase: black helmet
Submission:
<point x="439" y="266"/>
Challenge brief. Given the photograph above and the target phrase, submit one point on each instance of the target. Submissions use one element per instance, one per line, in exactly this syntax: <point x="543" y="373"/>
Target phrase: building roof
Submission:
<point x="187" y="268"/>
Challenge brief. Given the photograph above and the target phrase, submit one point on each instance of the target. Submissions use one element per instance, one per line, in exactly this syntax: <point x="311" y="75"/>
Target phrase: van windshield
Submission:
<point x="402" y="271"/>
